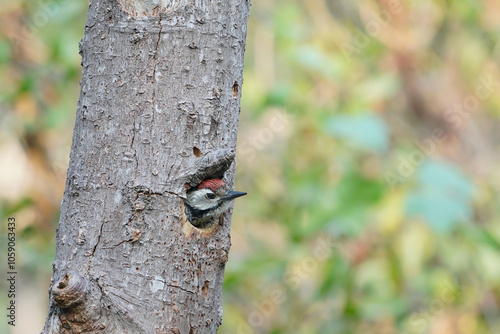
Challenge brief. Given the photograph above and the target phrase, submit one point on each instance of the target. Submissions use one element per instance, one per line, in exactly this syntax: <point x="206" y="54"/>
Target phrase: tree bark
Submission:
<point x="158" y="113"/>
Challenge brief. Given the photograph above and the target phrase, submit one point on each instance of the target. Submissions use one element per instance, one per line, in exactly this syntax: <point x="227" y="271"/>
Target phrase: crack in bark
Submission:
<point x="100" y="288"/>
<point x="154" y="75"/>
<point x="133" y="137"/>
<point x="172" y="193"/>
<point x="133" y="150"/>
<point x="181" y="288"/>
<point x="154" y="61"/>
<point x="95" y="246"/>
<point x="118" y="244"/>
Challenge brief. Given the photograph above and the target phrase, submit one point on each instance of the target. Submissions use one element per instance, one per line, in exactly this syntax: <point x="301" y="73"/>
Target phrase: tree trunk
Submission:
<point x="158" y="113"/>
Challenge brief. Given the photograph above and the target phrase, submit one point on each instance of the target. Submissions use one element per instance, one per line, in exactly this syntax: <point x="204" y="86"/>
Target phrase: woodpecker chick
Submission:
<point x="208" y="201"/>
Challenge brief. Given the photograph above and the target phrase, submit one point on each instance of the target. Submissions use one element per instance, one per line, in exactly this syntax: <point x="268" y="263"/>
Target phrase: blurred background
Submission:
<point x="368" y="145"/>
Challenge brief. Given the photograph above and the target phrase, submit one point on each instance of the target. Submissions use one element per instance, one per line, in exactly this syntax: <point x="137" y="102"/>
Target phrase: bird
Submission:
<point x="205" y="203"/>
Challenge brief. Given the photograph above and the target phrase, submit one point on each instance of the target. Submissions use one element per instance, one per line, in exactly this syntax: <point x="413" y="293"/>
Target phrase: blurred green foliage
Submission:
<point x="367" y="145"/>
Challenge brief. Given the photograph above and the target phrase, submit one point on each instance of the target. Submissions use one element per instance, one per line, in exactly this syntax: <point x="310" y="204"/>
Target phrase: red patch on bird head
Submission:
<point x="213" y="184"/>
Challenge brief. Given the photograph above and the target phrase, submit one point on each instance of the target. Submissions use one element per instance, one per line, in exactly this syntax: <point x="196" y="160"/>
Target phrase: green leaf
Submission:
<point x="447" y="179"/>
<point x="439" y="211"/>
<point x="443" y="196"/>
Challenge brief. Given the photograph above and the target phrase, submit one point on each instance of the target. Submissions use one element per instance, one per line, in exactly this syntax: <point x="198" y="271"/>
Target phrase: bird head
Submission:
<point x="211" y="194"/>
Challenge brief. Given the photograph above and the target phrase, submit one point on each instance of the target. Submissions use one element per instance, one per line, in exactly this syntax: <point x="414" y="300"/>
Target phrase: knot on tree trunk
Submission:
<point x="69" y="290"/>
<point x="212" y="165"/>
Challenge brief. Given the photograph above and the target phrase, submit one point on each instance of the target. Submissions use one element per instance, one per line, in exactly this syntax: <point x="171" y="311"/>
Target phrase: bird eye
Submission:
<point x="210" y="195"/>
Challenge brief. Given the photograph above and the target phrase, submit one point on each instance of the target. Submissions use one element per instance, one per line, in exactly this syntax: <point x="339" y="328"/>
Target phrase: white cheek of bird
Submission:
<point x="205" y="203"/>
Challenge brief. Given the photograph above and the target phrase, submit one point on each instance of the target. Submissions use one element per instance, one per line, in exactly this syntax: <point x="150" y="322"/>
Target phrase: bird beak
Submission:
<point x="233" y="194"/>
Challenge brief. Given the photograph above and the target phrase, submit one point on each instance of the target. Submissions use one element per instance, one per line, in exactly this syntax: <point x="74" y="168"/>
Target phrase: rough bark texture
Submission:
<point x="158" y="112"/>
